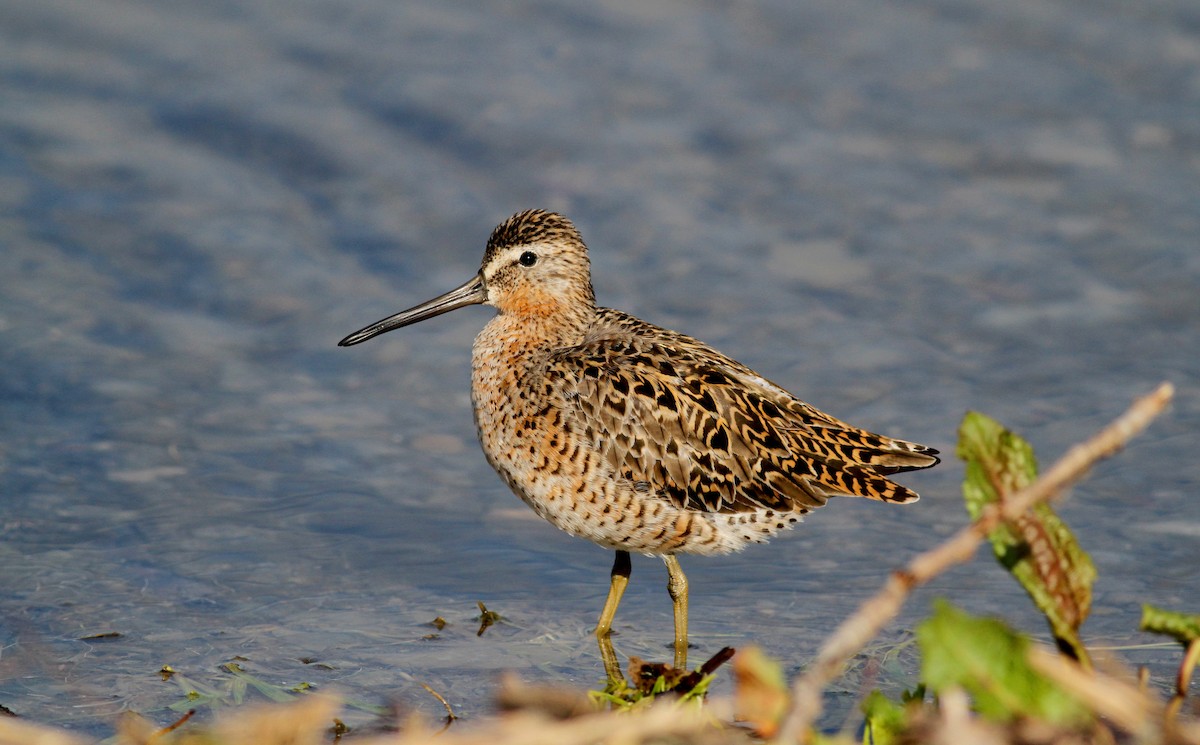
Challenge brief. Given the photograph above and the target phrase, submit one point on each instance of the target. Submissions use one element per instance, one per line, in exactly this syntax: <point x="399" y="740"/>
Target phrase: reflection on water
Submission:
<point x="899" y="213"/>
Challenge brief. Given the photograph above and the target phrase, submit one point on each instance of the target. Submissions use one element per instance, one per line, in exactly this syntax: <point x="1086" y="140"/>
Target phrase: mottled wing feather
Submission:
<point x="708" y="433"/>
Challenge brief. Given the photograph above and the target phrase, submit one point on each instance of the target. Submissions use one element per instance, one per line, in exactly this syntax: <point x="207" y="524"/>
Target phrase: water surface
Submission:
<point x="898" y="212"/>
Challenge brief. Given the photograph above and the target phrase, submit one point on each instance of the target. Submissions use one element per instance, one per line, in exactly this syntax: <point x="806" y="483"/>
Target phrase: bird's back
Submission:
<point x="710" y="434"/>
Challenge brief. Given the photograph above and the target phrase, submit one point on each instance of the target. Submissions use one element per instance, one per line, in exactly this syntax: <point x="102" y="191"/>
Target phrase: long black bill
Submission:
<point x="472" y="293"/>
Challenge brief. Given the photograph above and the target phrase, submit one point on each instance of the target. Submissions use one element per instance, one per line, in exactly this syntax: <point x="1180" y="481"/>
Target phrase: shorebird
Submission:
<point x="638" y="438"/>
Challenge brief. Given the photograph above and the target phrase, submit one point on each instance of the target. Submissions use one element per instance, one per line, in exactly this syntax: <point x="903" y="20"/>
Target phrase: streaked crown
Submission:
<point x="537" y="259"/>
<point x="530" y="227"/>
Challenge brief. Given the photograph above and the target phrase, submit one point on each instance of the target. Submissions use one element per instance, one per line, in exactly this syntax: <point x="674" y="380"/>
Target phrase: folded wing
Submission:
<point x="709" y="434"/>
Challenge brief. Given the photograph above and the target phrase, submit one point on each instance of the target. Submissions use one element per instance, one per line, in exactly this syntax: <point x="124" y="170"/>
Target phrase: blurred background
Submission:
<point x="899" y="211"/>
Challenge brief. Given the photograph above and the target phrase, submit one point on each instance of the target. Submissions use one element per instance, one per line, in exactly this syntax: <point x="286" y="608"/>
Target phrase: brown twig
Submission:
<point x="857" y="630"/>
<point x="172" y="726"/>
<point x="450" y="715"/>
<point x="1183" y="678"/>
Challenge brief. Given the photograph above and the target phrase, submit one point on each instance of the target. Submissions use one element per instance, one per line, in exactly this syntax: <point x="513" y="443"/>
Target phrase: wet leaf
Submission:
<point x="653" y="678"/>
<point x="195" y="694"/>
<point x="237" y="690"/>
<point x="695" y="683"/>
<point x="1183" y="627"/>
<point x="486" y="618"/>
<point x="761" y="697"/>
<point x="1037" y="548"/>
<point x="242" y="679"/>
<point x="986" y="658"/>
<point x="317" y="663"/>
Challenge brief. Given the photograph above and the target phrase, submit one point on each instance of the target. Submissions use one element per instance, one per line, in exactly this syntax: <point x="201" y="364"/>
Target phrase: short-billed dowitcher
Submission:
<point x="635" y="437"/>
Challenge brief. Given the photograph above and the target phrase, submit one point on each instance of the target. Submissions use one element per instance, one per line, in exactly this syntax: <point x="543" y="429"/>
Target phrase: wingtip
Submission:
<point x="902" y="495"/>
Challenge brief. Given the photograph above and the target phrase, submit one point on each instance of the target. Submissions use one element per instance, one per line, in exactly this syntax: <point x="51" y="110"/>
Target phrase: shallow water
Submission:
<point x="898" y="212"/>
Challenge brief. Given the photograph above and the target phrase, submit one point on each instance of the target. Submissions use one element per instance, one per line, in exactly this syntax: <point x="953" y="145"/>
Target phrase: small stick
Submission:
<point x="173" y="726"/>
<point x="1183" y="678"/>
<point x="450" y="715"/>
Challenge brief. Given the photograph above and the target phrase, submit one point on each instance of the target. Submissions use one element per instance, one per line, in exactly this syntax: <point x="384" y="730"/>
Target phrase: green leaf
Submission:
<point x="1037" y="548"/>
<point x="986" y="658"/>
<point x="1183" y="627"/>
<point x="1002" y="461"/>
<point x="242" y="679"/>
<point x="885" y="720"/>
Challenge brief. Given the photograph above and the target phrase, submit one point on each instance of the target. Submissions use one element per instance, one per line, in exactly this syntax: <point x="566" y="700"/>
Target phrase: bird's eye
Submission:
<point x="529" y="258"/>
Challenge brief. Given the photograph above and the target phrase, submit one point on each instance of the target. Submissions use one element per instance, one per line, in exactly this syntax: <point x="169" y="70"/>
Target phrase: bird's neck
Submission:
<point x="532" y="330"/>
<point x="506" y="354"/>
<point x="546" y="319"/>
<point x="522" y="336"/>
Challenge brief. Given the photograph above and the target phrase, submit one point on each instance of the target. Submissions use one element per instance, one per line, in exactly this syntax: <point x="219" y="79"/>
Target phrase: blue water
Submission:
<point x="900" y="212"/>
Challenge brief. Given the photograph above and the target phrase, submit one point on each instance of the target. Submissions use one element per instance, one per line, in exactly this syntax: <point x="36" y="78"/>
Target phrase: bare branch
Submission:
<point x="854" y="633"/>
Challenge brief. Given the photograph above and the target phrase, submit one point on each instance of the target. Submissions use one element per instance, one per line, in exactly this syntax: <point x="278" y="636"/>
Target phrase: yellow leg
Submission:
<point x="677" y="587"/>
<point x="620" y="578"/>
